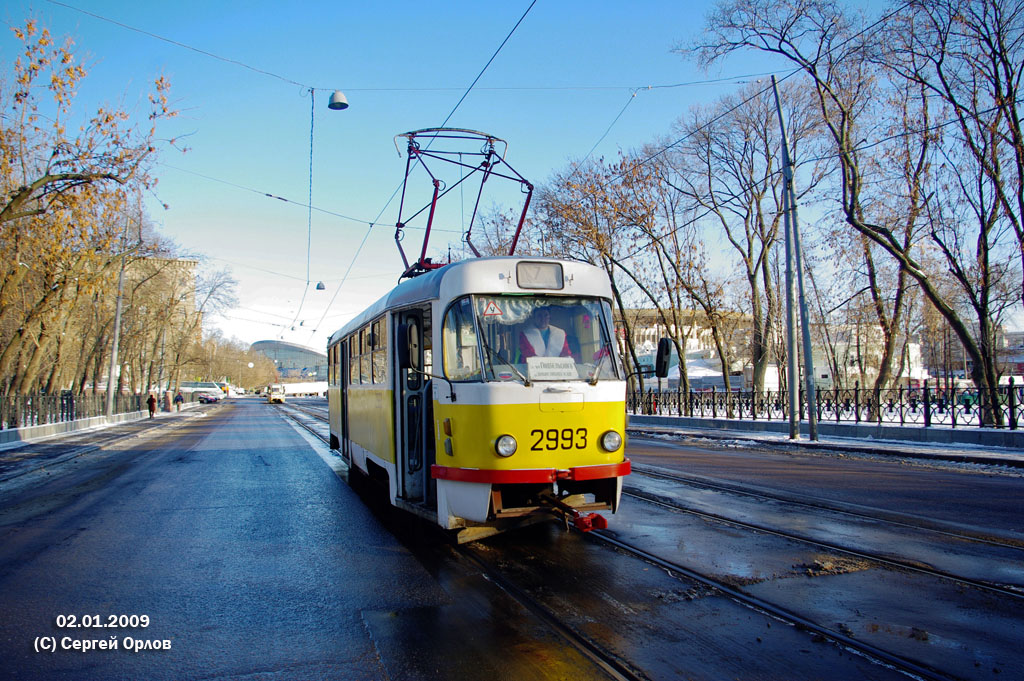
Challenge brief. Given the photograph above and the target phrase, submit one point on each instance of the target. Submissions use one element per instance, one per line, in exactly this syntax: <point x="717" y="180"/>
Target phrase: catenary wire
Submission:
<point x="799" y="69"/>
<point x="306" y="86"/>
<point x="395" y="192"/>
<point x="309" y="210"/>
<point x="309" y="205"/>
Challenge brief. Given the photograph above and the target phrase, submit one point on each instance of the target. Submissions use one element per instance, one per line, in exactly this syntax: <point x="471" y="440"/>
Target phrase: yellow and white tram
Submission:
<point x="275" y="394"/>
<point x="485" y="394"/>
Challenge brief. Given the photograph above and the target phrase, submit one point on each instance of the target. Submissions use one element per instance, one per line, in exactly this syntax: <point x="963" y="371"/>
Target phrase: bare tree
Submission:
<point x="183" y="343"/>
<point x="840" y="55"/>
<point x="725" y="169"/>
<point x="968" y="54"/>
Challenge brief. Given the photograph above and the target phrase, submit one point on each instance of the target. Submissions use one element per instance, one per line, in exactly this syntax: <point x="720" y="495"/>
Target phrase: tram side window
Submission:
<point x="353" y="360"/>
<point x="330" y="365"/>
<point x="461" y="353"/>
<point x="337" y="363"/>
<point x="338" y="349"/>
<point x="365" y="375"/>
<point x="379" y="350"/>
<point x="427" y="342"/>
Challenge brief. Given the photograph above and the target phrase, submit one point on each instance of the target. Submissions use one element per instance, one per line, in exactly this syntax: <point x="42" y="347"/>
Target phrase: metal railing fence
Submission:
<point x="22" y="411"/>
<point x="925" y="406"/>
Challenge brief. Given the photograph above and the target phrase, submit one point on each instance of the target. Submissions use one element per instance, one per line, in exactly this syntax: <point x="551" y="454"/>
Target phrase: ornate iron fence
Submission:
<point x="956" y="408"/>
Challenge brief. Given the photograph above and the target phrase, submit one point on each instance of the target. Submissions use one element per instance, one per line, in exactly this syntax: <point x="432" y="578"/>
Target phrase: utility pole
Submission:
<point x="792" y="372"/>
<point x="117" y="325"/>
<point x="794" y="259"/>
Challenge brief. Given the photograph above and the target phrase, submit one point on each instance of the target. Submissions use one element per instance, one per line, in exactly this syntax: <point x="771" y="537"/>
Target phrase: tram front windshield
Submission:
<point x="528" y="338"/>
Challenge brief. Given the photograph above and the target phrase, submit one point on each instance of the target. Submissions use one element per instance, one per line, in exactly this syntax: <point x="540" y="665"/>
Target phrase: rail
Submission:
<point x="23" y="411"/>
<point x="925" y="406"/>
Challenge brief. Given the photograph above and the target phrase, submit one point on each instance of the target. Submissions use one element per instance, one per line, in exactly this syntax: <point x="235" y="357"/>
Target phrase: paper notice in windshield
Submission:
<point x="551" y="368"/>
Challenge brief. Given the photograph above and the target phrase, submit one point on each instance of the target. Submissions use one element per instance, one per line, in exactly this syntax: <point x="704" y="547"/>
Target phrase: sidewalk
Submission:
<point x="17" y="437"/>
<point x="777" y="434"/>
<point x="20" y="456"/>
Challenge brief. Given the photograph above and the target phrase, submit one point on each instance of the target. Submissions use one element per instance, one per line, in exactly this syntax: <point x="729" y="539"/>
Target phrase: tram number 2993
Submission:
<point x="555" y="438"/>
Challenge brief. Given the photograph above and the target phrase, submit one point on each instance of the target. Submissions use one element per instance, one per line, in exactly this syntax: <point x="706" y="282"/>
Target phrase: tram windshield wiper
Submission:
<point x="607" y="353"/>
<point x="494" y="355"/>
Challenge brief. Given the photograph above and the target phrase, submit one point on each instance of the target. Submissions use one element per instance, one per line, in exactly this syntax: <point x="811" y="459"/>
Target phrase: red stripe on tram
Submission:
<point x="530" y="475"/>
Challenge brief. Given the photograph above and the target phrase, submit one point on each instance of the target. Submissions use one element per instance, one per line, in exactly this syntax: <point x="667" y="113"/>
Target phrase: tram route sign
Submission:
<point x="551" y="368"/>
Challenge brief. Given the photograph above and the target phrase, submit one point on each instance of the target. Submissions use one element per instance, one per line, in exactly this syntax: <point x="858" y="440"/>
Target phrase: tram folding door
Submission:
<point x="414" y="420"/>
<point x="345" y="362"/>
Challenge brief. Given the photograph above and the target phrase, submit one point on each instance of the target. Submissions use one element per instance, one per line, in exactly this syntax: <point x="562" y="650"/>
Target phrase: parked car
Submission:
<point x="209" y="398"/>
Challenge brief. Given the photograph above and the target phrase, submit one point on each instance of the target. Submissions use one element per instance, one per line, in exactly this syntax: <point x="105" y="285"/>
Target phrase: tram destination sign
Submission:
<point x="551" y="368"/>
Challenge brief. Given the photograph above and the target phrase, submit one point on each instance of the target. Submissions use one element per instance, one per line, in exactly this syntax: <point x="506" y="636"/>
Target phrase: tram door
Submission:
<point x="415" y="410"/>
<point x="343" y="379"/>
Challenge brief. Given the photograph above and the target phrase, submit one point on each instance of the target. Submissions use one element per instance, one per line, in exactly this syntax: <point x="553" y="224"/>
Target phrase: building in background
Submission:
<point x="293" y="362"/>
<point x="1011" y="354"/>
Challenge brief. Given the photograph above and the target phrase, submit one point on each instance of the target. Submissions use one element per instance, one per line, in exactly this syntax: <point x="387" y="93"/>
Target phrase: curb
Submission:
<point x="892" y="448"/>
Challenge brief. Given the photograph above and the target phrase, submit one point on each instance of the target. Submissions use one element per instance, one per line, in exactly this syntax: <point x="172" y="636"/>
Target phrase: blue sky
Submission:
<point x="552" y="92"/>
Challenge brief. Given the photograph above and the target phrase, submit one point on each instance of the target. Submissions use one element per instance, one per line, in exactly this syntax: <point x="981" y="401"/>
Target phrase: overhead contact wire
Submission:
<point x="395" y="193"/>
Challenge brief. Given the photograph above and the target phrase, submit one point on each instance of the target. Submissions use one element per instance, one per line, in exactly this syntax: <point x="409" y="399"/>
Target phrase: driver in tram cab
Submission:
<point x="540" y="339"/>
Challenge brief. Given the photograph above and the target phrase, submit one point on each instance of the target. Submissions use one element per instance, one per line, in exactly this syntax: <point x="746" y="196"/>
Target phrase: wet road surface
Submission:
<point x="975" y="497"/>
<point x="254" y="560"/>
<point x="959" y="630"/>
<point x="250" y="557"/>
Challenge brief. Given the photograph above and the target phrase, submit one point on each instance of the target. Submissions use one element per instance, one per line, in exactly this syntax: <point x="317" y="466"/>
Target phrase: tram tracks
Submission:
<point x="895" y="658"/>
<point x="611" y="664"/>
<point x="289" y="411"/>
<point x="920" y="581"/>
<point x="776" y="611"/>
<point x="608" y="661"/>
<point x="875" y="557"/>
<point x="876" y="515"/>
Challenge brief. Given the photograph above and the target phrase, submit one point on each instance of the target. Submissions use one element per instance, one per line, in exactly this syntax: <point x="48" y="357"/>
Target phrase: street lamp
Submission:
<point x="338" y="101"/>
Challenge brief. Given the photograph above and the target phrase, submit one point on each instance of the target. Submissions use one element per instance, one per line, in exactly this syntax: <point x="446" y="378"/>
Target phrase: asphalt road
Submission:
<point x="986" y="499"/>
<point x="249" y="557"/>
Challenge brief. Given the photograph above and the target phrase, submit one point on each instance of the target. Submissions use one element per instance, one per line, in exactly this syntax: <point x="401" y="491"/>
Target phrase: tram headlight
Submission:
<point x="611" y="441"/>
<point x="506" y="445"/>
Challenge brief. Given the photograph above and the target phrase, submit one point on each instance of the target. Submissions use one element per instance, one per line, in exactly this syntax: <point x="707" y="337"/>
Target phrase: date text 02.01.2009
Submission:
<point x="102" y="621"/>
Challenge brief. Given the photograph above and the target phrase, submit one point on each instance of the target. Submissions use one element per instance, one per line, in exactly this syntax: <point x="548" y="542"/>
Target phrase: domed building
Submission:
<point x="293" y="362"/>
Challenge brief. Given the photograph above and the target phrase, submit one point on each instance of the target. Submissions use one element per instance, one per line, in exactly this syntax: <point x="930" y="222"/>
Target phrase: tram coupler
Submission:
<point x="591" y="521"/>
<point x="583" y="523"/>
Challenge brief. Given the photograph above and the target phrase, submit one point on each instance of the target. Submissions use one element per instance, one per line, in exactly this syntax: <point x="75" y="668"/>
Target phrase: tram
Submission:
<point x="275" y="394"/>
<point x="485" y="394"/>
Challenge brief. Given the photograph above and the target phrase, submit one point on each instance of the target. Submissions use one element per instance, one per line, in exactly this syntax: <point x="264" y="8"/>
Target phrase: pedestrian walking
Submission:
<point x="178" y="399"/>
<point x="151" y="402"/>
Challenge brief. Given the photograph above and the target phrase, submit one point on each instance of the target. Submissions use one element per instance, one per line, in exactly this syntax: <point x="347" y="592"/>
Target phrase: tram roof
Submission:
<point x="475" y="275"/>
